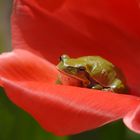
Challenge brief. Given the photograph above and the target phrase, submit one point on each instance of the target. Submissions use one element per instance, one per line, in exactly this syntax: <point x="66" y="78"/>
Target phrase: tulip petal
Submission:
<point x="124" y="14"/>
<point x="80" y="28"/>
<point x="21" y="65"/>
<point x="66" y="110"/>
<point x="132" y="120"/>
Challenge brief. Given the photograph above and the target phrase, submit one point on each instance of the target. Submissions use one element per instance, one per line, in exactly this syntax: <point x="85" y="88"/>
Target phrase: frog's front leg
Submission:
<point x="116" y="86"/>
<point x="58" y="81"/>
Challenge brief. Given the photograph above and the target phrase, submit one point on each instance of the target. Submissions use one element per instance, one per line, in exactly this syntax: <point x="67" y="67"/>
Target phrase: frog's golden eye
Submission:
<point x="64" y="57"/>
<point x="82" y="68"/>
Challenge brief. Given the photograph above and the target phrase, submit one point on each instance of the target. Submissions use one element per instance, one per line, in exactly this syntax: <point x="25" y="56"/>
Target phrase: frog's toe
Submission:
<point x="108" y="89"/>
<point x="98" y="87"/>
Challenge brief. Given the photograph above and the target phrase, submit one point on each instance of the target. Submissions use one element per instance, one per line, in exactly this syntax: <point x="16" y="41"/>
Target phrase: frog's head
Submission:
<point x="70" y="66"/>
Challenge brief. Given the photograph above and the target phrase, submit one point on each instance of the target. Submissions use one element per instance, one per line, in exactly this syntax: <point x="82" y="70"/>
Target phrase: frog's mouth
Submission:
<point x="71" y="72"/>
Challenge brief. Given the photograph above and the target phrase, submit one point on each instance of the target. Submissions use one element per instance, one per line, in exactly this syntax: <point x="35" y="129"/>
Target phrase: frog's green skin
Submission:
<point x="94" y="71"/>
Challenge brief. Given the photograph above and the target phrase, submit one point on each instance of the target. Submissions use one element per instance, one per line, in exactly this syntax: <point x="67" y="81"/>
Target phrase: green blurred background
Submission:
<point x="15" y="124"/>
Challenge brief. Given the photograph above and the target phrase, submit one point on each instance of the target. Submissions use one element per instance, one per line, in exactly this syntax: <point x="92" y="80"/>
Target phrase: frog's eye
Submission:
<point x="82" y="68"/>
<point x="64" y="57"/>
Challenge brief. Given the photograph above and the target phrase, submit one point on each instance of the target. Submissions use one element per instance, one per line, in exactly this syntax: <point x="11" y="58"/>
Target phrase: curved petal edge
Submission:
<point x="132" y="120"/>
<point x="66" y="110"/>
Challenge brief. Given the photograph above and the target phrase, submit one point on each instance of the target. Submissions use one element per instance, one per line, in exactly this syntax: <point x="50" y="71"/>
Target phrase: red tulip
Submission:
<point x="42" y="31"/>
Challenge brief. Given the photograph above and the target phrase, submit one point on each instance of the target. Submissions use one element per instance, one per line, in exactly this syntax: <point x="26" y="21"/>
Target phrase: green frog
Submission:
<point x="92" y="72"/>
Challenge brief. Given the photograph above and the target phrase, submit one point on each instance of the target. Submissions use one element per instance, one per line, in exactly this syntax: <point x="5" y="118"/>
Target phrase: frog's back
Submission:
<point x="100" y="69"/>
<point x="93" y="59"/>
